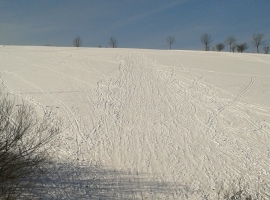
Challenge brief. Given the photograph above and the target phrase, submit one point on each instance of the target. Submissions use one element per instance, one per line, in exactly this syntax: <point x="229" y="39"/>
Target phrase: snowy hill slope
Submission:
<point x="147" y="123"/>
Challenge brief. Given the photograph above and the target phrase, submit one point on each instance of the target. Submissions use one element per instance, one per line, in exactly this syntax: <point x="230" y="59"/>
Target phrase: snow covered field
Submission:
<point x="146" y="124"/>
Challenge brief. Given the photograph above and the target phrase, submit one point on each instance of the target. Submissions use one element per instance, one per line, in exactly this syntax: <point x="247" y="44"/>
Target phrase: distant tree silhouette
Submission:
<point x="230" y="41"/>
<point x="241" y="47"/>
<point x="220" y="46"/>
<point x="257" y="40"/>
<point x="170" y="40"/>
<point x="233" y="47"/>
<point x="77" y="42"/>
<point x="266" y="49"/>
<point x="113" y="42"/>
<point x="206" y="41"/>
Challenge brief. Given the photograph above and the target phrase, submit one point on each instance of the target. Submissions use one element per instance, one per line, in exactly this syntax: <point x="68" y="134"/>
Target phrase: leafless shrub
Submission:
<point x="77" y="42"/>
<point x="241" y="47"/>
<point x="266" y="49"/>
<point x="240" y="189"/>
<point x="24" y="136"/>
<point x="220" y="46"/>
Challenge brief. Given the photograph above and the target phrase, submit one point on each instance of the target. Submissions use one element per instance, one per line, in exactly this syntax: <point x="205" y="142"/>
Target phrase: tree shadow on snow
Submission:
<point x="67" y="181"/>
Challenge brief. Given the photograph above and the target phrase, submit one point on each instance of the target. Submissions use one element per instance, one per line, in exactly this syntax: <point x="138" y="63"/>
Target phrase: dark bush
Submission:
<point x="24" y="138"/>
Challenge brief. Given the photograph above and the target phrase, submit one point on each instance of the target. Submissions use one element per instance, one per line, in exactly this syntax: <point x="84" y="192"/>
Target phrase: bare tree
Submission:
<point x="266" y="49"/>
<point x="23" y="140"/>
<point x="77" y="42"/>
<point x="170" y="40"/>
<point x="257" y="40"/>
<point x="220" y="46"/>
<point x="113" y="42"/>
<point x="230" y="41"/>
<point x="206" y="40"/>
<point x="233" y="47"/>
<point x="241" y="47"/>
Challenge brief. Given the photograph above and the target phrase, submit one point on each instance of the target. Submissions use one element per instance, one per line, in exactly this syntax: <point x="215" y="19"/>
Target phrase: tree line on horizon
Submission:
<point x="206" y="39"/>
<point x="256" y="41"/>
<point x="77" y="42"/>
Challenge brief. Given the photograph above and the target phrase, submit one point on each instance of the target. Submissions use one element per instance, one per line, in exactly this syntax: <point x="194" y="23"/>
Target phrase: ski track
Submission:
<point x="159" y="122"/>
<point x="147" y="93"/>
<point x="139" y="79"/>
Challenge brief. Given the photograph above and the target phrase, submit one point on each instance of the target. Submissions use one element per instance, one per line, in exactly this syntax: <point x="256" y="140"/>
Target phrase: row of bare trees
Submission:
<point x="256" y="41"/>
<point x="77" y="42"/>
<point x="206" y="39"/>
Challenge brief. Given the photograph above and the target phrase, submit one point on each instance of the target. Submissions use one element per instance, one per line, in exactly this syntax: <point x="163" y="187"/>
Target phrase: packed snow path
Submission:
<point x="145" y="123"/>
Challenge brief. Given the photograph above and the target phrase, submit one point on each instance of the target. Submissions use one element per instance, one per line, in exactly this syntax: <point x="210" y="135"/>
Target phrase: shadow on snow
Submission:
<point x="68" y="181"/>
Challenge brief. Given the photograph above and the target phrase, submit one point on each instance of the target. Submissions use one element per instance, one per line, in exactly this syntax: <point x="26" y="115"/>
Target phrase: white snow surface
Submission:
<point x="146" y="124"/>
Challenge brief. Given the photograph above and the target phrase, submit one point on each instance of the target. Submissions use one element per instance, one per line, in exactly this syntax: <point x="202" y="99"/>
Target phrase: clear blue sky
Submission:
<point x="135" y="23"/>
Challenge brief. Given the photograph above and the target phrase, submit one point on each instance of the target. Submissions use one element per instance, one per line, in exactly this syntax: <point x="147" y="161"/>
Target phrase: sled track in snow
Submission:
<point x="152" y="121"/>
